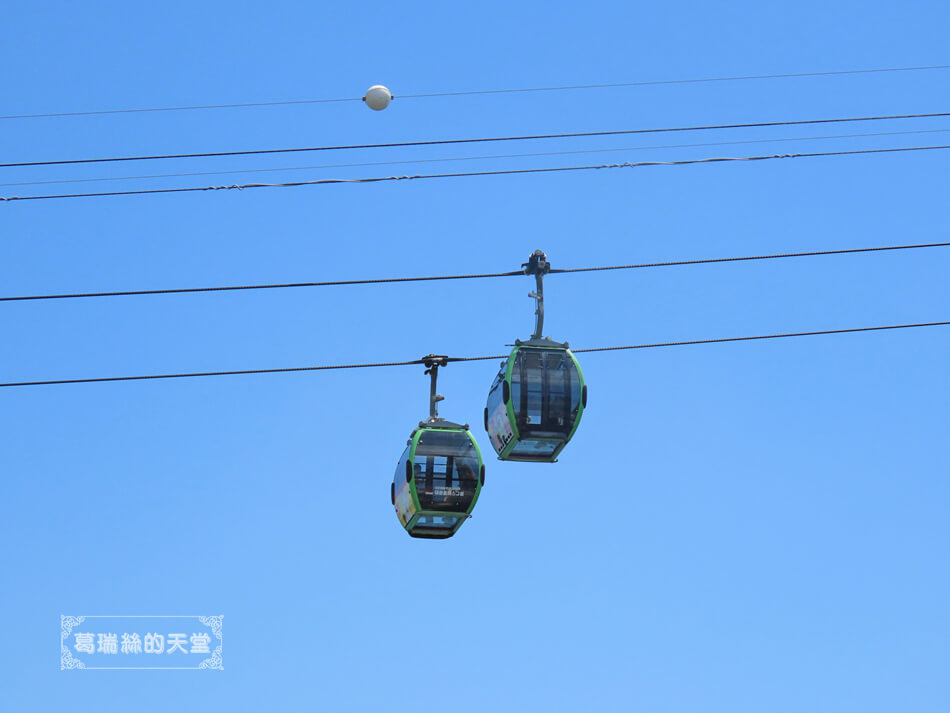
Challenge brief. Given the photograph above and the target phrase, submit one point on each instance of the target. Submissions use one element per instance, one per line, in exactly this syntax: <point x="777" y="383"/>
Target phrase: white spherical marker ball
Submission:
<point x="377" y="97"/>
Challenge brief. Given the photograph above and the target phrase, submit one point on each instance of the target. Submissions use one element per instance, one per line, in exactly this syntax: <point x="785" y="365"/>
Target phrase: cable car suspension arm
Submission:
<point x="538" y="266"/>
<point x="432" y="363"/>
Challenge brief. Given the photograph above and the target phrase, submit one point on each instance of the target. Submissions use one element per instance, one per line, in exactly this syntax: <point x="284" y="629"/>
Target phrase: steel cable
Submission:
<point x="418" y="362"/>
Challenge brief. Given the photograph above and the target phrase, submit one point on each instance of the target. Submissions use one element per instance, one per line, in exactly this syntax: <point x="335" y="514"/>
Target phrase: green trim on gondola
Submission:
<point x="509" y="408"/>
<point x="412" y="484"/>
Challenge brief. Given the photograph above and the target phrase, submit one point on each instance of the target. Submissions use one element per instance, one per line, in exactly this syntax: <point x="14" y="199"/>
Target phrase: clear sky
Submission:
<point x="737" y="527"/>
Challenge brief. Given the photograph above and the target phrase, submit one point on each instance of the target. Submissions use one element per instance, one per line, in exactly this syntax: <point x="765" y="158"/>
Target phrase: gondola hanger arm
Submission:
<point x="538" y="266"/>
<point x="432" y="363"/>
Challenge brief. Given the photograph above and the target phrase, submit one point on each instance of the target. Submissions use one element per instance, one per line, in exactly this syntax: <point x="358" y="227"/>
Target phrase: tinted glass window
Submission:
<point x="445" y="471"/>
<point x="546" y="391"/>
<point x="531" y="447"/>
<point x="440" y="522"/>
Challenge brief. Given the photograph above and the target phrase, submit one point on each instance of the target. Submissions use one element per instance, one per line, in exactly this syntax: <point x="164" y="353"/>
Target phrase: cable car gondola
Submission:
<point x="440" y="474"/>
<point x="536" y="402"/>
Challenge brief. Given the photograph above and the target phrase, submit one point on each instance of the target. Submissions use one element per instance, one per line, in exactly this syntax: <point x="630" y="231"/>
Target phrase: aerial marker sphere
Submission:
<point x="377" y="97"/>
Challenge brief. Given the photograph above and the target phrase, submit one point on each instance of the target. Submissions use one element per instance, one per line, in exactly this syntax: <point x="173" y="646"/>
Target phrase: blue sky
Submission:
<point x="737" y="527"/>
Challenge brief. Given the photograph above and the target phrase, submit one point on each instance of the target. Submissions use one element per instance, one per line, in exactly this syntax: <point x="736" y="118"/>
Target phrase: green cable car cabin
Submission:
<point x="536" y="402"/>
<point x="438" y="480"/>
<point x="440" y="474"/>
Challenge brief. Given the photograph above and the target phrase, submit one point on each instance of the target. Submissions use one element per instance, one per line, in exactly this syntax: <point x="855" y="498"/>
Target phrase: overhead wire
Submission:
<point x="514" y="273"/>
<point x="194" y="107"/>
<point x="745" y="258"/>
<point x="417" y="362"/>
<point x="273" y="286"/>
<point x="658" y="82"/>
<point x="444" y="142"/>
<point x="453" y="159"/>
<point x="481" y="92"/>
<point x="470" y="174"/>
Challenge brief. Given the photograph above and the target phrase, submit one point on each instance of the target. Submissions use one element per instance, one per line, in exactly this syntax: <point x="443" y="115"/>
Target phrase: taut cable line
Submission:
<point x="475" y="276"/>
<point x="415" y="362"/>
<point x="471" y="174"/>
<point x="475" y="92"/>
<point x="489" y="139"/>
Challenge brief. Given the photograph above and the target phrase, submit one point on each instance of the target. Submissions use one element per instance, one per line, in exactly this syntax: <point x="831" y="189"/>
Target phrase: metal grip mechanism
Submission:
<point x="538" y="266"/>
<point x="432" y="363"/>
